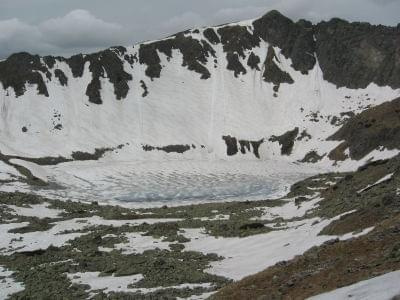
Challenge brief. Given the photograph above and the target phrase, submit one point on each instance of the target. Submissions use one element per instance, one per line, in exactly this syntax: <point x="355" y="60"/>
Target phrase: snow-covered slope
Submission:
<point x="211" y="93"/>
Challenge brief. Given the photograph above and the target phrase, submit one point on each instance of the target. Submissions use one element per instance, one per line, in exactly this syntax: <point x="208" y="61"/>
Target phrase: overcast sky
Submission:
<point x="66" y="27"/>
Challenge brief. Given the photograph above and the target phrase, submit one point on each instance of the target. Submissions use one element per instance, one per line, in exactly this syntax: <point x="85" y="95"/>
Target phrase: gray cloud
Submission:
<point x="186" y="20"/>
<point x="66" y="27"/>
<point x="77" y="30"/>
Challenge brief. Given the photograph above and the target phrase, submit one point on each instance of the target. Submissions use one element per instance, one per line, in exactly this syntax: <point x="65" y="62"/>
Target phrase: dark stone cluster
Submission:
<point x="272" y="73"/>
<point x="233" y="145"/>
<point x="210" y="35"/>
<point x="61" y="77"/>
<point x="169" y="149"/>
<point x="104" y="64"/>
<point x="22" y="68"/>
<point x="236" y="40"/>
<point x="286" y="140"/>
<point x="253" y="61"/>
<point x="195" y="54"/>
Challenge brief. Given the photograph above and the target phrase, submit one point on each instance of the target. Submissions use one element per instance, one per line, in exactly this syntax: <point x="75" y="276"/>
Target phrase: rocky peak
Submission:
<point x="296" y="40"/>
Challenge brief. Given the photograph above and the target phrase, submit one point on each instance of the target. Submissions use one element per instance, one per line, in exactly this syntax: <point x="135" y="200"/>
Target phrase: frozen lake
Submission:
<point x="155" y="183"/>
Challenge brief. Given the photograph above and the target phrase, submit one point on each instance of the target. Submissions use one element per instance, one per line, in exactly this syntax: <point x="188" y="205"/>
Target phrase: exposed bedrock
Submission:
<point x="22" y="68"/>
<point x="195" y="54"/>
<point x="295" y="39"/>
<point x="355" y="54"/>
<point x="286" y="140"/>
<point x="169" y="149"/>
<point x="233" y="146"/>
<point x="272" y="72"/>
<point x="107" y="64"/>
<point x="376" y="127"/>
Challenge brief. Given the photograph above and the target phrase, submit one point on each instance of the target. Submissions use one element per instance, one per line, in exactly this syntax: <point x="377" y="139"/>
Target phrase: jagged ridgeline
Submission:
<point x="370" y="54"/>
<point x="231" y="67"/>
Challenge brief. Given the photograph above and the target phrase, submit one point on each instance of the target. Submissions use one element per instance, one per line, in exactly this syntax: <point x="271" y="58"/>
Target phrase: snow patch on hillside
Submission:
<point x="7" y="284"/>
<point x="249" y="255"/>
<point x="384" y="287"/>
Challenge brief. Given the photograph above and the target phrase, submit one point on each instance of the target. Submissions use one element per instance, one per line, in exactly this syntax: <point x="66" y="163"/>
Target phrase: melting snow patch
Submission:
<point x="38" y="210"/>
<point x="7" y="172"/>
<point x="252" y="254"/>
<point x="7" y="284"/>
<point x="382" y="180"/>
<point x="214" y="218"/>
<point x="31" y="241"/>
<point x="138" y="243"/>
<point x="383" y="287"/>
<point x="356" y="235"/>
<point x="106" y="283"/>
<point x="12" y="242"/>
<point x="121" y="284"/>
<point x="289" y="210"/>
<point x="35" y="169"/>
<point x="379" y="154"/>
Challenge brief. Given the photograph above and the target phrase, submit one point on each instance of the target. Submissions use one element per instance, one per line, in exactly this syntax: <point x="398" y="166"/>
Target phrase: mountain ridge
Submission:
<point x="205" y="78"/>
<point x="272" y="27"/>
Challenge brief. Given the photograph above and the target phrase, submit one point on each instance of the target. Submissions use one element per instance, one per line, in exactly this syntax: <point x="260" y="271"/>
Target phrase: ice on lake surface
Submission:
<point x="173" y="182"/>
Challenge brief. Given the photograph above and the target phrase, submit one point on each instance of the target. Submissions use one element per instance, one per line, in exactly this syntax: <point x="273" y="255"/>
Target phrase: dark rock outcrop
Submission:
<point x="376" y="127"/>
<point x="107" y="63"/>
<point x="168" y="149"/>
<point x="61" y="77"/>
<point x="22" y="68"/>
<point x="234" y="64"/>
<point x="237" y="39"/>
<point x="355" y="54"/>
<point x="295" y="39"/>
<point x="210" y="35"/>
<point x="272" y="73"/>
<point x="76" y="64"/>
<point x="144" y="87"/>
<point x="251" y="226"/>
<point x="286" y="141"/>
<point x="148" y="55"/>
<point x="233" y="145"/>
<point x="195" y="54"/>
<point x="253" y="61"/>
<point x="256" y="146"/>
<point x="312" y="157"/>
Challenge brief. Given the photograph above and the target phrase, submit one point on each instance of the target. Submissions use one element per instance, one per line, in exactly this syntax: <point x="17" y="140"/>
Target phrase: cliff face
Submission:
<point x="197" y="86"/>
